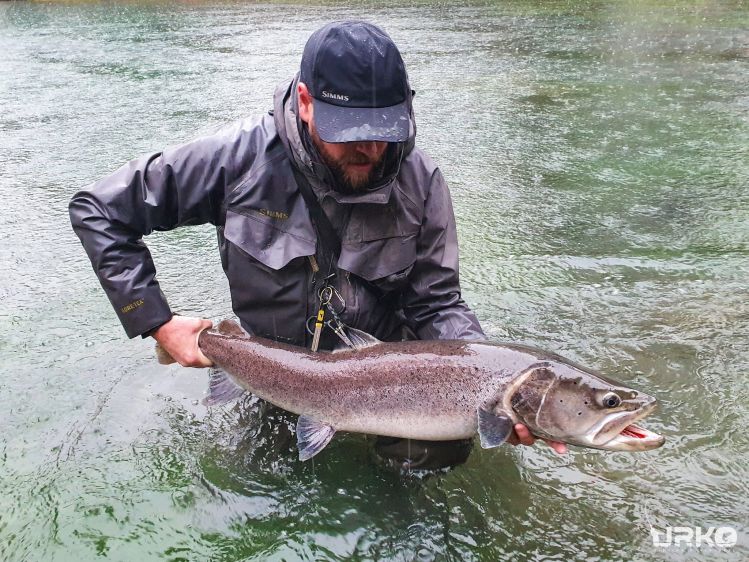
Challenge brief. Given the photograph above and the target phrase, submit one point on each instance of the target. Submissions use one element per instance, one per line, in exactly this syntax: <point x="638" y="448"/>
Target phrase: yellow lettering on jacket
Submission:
<point x="280" y="215"/>
<point x="132" y="306"/>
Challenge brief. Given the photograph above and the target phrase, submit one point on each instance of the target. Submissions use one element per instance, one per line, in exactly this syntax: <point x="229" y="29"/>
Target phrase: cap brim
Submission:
<point x="335" y="123"/>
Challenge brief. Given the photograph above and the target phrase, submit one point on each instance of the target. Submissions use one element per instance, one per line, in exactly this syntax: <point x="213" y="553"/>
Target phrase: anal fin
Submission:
<point x="312" y="436"/>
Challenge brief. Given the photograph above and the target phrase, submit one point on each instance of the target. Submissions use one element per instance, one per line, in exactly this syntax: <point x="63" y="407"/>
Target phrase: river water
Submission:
<point x="597" y="153"/>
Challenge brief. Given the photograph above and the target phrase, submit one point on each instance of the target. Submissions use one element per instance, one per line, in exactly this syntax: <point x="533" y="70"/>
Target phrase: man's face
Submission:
<point x="355" y="165"/>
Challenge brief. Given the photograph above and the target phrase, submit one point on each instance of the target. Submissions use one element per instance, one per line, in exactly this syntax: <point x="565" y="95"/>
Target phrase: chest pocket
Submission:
<point x="265" y="266"/>
<point x="385" y="262"/>
<point x="258" y="236"/>
<point x="380" y="244"/>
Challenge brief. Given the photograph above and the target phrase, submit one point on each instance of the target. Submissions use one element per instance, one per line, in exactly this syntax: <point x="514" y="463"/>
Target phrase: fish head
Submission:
<point x="563" y="402"/>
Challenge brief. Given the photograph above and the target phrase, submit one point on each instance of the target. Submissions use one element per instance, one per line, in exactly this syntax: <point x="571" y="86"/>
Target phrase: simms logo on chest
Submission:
<point x="339" y="97"/>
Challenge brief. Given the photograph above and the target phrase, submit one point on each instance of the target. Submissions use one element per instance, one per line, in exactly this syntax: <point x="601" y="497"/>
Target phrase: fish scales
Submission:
<point x="433" y="390"/>
<point x="411" y="389"/>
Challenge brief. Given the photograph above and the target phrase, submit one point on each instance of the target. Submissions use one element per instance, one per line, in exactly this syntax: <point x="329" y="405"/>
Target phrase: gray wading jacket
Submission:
<point x="399" y="258"/>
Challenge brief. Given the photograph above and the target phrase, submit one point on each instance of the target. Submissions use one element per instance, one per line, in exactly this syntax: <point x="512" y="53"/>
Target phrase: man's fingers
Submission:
<point x="560" y="448"/>
<point x="202" y="360"/>
<point x="524" y="435"/>
<point x="194" y="358"/>
<point x="179" y="337"/>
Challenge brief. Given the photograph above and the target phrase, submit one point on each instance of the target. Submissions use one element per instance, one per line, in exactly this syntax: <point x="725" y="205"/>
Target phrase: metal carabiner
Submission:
<point x="325" y="294"/>
<point x="339" y="327"/>
<point x="342" y="303"/>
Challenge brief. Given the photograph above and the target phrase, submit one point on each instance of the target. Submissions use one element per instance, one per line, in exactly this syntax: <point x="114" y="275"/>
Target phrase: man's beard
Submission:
<point x="345" y="181"/>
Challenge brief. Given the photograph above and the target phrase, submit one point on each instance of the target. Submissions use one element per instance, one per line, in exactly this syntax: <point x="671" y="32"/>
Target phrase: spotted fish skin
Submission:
<point x="429" y="390"/>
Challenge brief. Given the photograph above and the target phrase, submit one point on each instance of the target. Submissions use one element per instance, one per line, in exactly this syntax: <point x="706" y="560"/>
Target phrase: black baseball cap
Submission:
<point x="357" y="78"/>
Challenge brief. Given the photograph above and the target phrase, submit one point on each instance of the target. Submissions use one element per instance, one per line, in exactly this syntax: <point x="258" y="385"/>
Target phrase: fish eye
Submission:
<point x="611" y="400"/>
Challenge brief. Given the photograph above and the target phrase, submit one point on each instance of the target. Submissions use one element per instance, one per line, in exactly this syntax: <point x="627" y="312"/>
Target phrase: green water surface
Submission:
<point x="597" y="153"/>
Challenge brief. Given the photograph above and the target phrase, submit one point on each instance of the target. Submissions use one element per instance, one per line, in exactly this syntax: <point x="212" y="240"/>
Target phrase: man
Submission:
<point x="337" y="150"/>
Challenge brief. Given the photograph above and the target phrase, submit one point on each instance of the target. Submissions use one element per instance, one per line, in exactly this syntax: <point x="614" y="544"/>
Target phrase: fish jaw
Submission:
<point x="627" y="436"/>
<point x="635" y="438"/>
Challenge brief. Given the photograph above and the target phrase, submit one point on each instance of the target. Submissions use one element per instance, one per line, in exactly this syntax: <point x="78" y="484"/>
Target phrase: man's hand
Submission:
<point x="179" y="338"/>
<point x="523" y="436"/>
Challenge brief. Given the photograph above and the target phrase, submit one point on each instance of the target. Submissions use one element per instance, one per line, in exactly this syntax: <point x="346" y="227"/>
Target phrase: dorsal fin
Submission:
<point x="231" y="328"/>
<point x="361" y="339"/>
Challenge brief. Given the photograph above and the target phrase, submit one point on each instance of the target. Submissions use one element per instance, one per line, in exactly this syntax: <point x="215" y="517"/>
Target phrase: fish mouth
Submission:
<point x="623" y="434"/>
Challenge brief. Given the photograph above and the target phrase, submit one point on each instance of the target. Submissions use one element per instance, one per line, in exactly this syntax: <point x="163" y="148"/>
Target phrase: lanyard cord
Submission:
<point x="328" y="251"/>
<point x="329" y="244"/>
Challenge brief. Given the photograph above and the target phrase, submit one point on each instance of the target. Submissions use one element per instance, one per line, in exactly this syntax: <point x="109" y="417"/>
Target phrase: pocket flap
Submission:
<point x="260" y="238"/>
<point x="376" y="259"/>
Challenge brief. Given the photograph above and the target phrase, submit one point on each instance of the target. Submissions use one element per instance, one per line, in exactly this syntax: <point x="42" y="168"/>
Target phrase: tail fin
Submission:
<point x="163" y="357"/>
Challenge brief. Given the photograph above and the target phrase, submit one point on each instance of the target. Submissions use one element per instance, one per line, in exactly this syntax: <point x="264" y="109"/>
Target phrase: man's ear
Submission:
<point x="305" y="102"/>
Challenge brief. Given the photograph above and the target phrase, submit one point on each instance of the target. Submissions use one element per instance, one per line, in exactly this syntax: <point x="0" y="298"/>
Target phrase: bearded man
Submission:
<point x="326" y="190"/>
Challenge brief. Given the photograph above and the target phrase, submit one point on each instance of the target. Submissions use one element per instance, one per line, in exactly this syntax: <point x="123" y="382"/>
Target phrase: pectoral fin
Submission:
<point x="221" y="388"/>
<point x="312" y="436"/>
<point x="494" y="429"/>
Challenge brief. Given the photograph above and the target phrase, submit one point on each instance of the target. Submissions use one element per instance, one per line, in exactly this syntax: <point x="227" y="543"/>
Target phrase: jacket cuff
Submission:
<point x="144" y="313"/>
<point x="149" y="333"/>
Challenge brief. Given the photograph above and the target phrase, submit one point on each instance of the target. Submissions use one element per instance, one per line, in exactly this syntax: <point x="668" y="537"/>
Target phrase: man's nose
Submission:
<point x="369" y="148"/>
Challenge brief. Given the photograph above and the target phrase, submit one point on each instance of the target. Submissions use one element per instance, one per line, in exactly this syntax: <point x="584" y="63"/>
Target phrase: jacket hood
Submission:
<point x="291" y="131"/>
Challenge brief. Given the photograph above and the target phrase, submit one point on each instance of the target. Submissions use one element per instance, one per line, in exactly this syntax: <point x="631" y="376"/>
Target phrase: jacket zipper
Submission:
<point x="310" y="281"/>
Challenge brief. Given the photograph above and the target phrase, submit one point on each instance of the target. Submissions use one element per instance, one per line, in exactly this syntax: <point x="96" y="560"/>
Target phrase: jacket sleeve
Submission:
<point x="181" y="186"/>
<point x="433" y="305"/>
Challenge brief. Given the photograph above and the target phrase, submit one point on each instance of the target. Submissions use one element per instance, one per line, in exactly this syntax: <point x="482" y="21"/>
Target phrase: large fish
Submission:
<point x="431" y="390"/>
